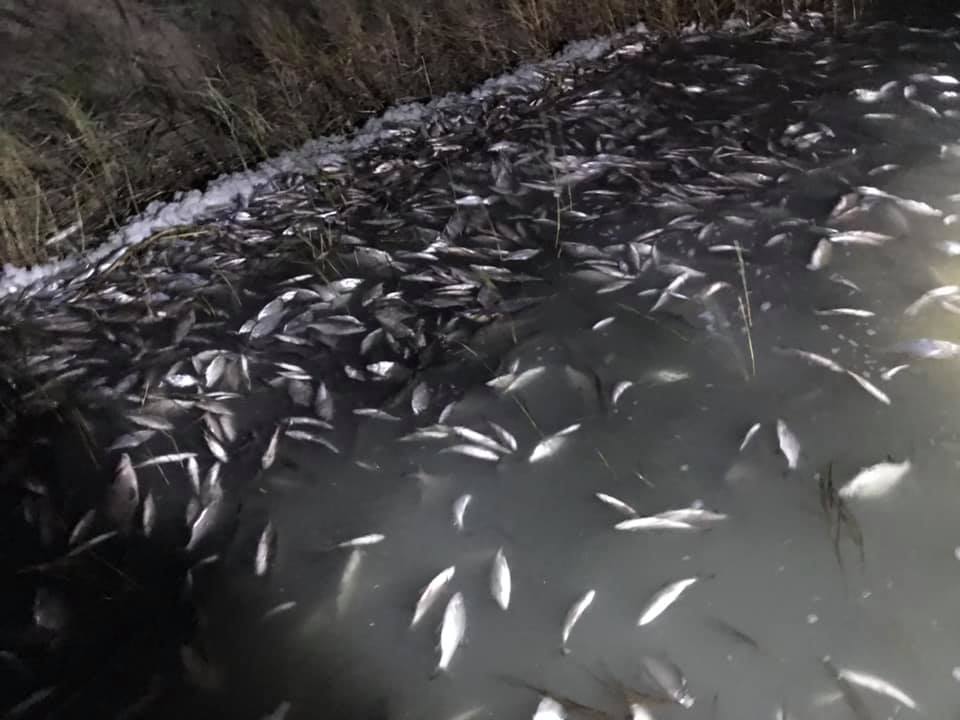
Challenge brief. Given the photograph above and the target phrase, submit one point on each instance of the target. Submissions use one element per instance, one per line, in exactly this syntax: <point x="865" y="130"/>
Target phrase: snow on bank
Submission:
<point x="325" y="152"/>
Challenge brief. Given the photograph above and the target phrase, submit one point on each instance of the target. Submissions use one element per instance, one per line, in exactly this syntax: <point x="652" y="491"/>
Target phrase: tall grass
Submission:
<point x="112" y="103"/>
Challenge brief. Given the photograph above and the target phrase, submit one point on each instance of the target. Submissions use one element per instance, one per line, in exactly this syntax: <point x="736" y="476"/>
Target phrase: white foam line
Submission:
<point x="325" y="152"/>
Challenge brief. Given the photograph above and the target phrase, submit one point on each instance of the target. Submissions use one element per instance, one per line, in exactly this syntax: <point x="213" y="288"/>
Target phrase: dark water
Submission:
<point x="783" y="582"/>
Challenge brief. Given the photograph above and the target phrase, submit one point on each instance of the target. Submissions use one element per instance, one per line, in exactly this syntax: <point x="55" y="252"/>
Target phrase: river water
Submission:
<point x="703" y="212"/>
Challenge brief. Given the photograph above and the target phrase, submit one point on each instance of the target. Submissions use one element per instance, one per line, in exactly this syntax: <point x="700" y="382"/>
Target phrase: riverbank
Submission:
<point x="121" y="103"/>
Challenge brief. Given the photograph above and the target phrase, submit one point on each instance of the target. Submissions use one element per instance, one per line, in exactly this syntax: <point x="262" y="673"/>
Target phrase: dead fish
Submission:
<point x="869" y="387"/>
<point x="216" y="449"/>
<point x="431" y="592"/>
<point x="573" y="616"/>
<point x="123" y="495"/>
<point x="670" y="680"/>
<point x="362" y="541"/>
<point x="500" y="583"/>
<point x="452" y="630"/>
<point x="821" y="255"/>
<point x="889" y="374"/>
<point x="477" y="438"/>
<point x="473" y="451"/>
<point x="323" y="406"/>
<point x="877" y="685"/>
<point x="549" y="709"/>
<point x="928" y="349"/>
<point x="652" y="522"/>
<point x="266" y="549"/>
<point x="619" y="389"/>
<point x="82" y="528"/>
<point x="616" y="504"/>
<point x="812" y="358"/>
<point x="693" y="515"/>
<point x="789" y="444"/>
<point x="754" y="429"/>
<point x="505" y="436"/>
<point x="149" y="518"/>
<point x="165" y="459"/>
<point x="875" y="481"/>
<point x="663" y="599"/>
<point x="524" y="379"/>
<point x="204" y="523"/>
<point x="851" y="312"/>
<point x="928" y="297"/>
<point x="270" y="453"/>
<point x="420" y="398"/>
<point x="459" y="508"/>
<point x="552" y="443"/>
<point x="376" y="414"/>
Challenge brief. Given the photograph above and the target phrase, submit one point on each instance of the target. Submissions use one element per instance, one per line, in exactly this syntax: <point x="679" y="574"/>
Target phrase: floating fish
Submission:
<point x="266" y="548"/>
<point x="362" y="541"/>
<point x="877" y="685"/>
<point x="431" y="592"/>
<point x="875" y="481"/>
<point x="500" y="583"/>
<point x="751" y="432"/>
<point x="789" y="444"/>
<point x="549" y="709"/>
<point x="663" y="599"/>
<point x="459" y="509"/>
<point x="616" y="504"/>
<point x="452" y="630"/>
<point x="551" y="444"/>
<point x="573" y="617"/>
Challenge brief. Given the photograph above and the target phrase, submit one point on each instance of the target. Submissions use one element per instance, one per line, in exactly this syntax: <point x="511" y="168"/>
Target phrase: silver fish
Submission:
<point x="619" y="389"/>
<point x="474" y="451"/>
<point x="754" y="429"/>
<point x="431" y="592"/>
<point x="573" y="616"/>
<point x="266" y="549"/>
<point x="270" y="453"/>
<point x="653" y="522"/>
<point x="552" y="443"/>
<point x="869" y="387"/>
<point x="928" y="297"/>
<point x="670" y="678"/>
<point x="362" y="541"/>
<point x="549" y="709"/>
<point x="821" y="255"/>
<point x="500" y="583"/>
<point x="889" y="374"/>
<point x="789" y="444"/>
<point x="616" y="504"/>
<point x="123" y="495"/>
<point x="877" y="685"/>
<point x="452" y="630"/>
<point x="875" y="481"/>
<point x="459" y="508"/>
<point x="663" y="599"/>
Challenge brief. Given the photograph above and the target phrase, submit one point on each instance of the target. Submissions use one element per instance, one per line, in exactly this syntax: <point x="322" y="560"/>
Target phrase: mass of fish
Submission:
<point x="351" y="298"/>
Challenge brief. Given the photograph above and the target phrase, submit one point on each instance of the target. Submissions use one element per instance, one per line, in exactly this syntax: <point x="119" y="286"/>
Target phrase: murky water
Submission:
<point x="793" y="573"/>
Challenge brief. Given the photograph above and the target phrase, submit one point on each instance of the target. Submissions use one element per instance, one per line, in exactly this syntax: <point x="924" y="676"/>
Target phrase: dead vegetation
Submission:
<point x="113" y="103"/>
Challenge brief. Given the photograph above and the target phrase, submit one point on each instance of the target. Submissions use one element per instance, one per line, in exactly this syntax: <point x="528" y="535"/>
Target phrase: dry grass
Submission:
<point x="113" y="103"/>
